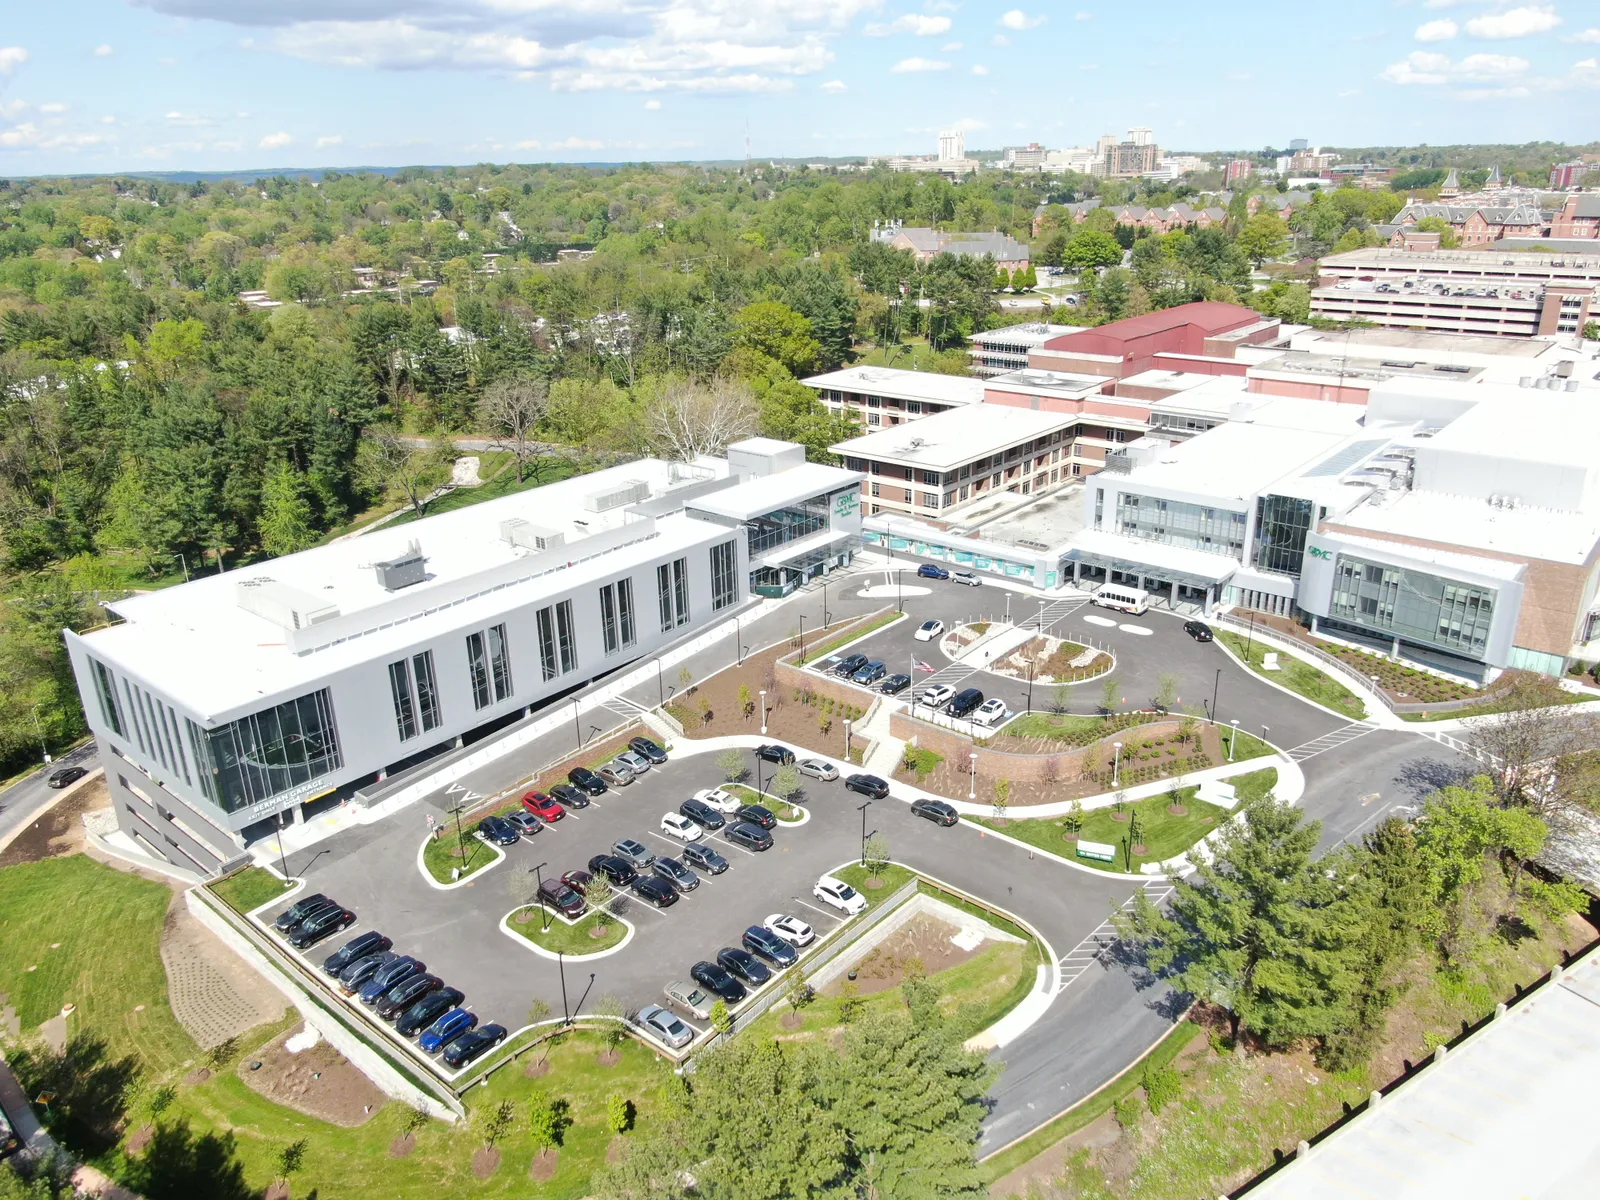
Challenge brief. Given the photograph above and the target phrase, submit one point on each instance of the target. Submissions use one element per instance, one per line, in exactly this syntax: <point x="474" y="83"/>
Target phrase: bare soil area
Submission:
<point x="319" y="1082"/>
<point x="923" y="941"/>
<point x="60" y="831"/>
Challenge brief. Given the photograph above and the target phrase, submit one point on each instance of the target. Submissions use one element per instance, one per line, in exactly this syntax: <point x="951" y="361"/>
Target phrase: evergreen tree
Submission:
<point x="285" y="515"/>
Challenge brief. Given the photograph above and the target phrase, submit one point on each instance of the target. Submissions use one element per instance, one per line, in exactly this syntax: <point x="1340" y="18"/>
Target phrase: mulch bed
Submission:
<point x="537" y="1068"/>
<point x="922" y="939"/>
<point x="403" y="1145"/>
<point x="543" y="1167"/>
<point x="608" y="1058"/>
<point x="139" y="1139"/>
<point x="485" y="1161"/>
<point x="319" y="1082"/>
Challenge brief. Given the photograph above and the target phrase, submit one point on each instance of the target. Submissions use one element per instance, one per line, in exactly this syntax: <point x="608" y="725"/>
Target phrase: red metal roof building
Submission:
<point x="1209" y="329"/>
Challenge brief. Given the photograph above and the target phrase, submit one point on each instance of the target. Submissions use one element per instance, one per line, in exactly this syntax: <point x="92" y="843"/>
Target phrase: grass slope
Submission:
<point x="1299" y="677"/>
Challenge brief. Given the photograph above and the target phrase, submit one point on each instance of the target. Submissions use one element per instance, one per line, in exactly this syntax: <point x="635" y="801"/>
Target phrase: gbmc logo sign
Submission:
<point x="1319" y="552"/>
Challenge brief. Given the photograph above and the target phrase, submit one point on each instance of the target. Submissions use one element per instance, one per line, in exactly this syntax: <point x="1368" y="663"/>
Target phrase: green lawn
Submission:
<point x="75" y="932"/>
<point x="439" y="854"/>
<point x="1254" y="785"/>
<point x="1165" y="835"/>
<point x="1299" y="677"/>
<point x="893" y="878"/>
<point x="498" y="471"/>
<point x="572" y="940"/>
<point x="247" y="890"/>
<point x="829" y="644"/>
<point x="912" y="355"/>
<point x="786" y="813"/>
<point x="1492" y="706"/>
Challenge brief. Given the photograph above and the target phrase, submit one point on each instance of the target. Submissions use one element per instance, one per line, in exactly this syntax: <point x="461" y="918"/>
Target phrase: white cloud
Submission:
<point x="103" y="50"/>
<point x="276" y="141"/>
<point x="577" y="143"/>
<point x="949" y="47"/>
<point x="1345" y="95"/>
<point x="11" y="57"/>
<point x="1083" y="16"/>
<point x="532" y="144"/>
<point x="979" y="69"/>
<point x="1441" y="3"/>
<point x="52" y="108"/>
<point x="1514" y="23"/>
<point x="1019" y="20"/>
<point x="835" y="86"/>
<point x="913" y="23"/>
<point x="29" y="136"/>
<point x="912" y="66"/>
<point x="108" y="119"/>
<point x="1000" y="39"/>
<point x="1430" y="68"/>
<point x="227" y="146"/>
<point x="652" y="105"/>
<point x="188" y="120"/>
<point x="1088" y="66"/>
<point x="330" y="139"/>
<point x="13" y="108"/>
<point x="1586" y="36"/>
<point x="1438" y="31"/>
<point x="167" y="62"/>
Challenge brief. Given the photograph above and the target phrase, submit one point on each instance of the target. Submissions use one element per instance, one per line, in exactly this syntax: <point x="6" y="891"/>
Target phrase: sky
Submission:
<point x="159" y="85"/>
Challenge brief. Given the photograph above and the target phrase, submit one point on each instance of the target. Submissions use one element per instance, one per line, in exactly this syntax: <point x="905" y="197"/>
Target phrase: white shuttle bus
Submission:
<point x="1122" y="598"/>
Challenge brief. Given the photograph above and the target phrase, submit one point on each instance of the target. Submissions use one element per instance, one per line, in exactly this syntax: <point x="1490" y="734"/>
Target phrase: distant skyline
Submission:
<point x="92" y="86"/>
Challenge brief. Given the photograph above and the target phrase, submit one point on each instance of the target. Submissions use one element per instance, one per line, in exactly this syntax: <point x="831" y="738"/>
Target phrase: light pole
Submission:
<point x="972" y="784"/>
<point x="661" y="692"/>
<point x="802" y="639"/>
<point x="763" y="712"/>
<point x="538" y="884"/>
<point x="1116" y="762"/>
<point x="864" y="808"/>
<point x="738" y="646"/>
<point x="561" y="965"/>
<point x="1264" y="729"/>
<point x="185" y="563"/>
<point x="827" y="616"/>
<point x="1039" y="620"/>
<point x="1008" y="607"/>
<point x="283" y="862"/>
<point x="1250" y="641"/>
<point x="847" y="739"/>
<point x="1215" y="684"/>
<point x="1234" y="737"/>
<point x="39" y="728"/>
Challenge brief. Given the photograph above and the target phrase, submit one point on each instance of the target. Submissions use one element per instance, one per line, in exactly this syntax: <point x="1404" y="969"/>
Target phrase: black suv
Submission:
<point x="1198" y="630"/>
<point x="675" y="873"/>
<point x="617" y="870"/>
<point x="359" y="946"/>
<point x="499" y="831"/>
<point x="850" y="665"/>
<point x="427" y="1010"/>
<point x="715" y="979"/>
<point x="299" y="911"/>
<point x="936" y="811"/>
<point x="702" y="814"/>
<point x="319" y="925"/>
<point x="755" y="814"/>
<point x="570" y="796"/>
<point x="867" y="785"/>
<point x="964" y="702"/>
<point x="587" y="781"/>
<point x="774" y="753"/>
<point x="745" y="965"/>
<point x="644" y="746"/>
<point x="763" y="943"/>
<point x="894" y="685"/>
<point x="655" y="891"/>
<point x="403" y="995"/>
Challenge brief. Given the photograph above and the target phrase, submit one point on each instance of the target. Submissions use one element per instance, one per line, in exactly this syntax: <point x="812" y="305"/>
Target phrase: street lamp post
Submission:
<point x="39" y="729"/>
<point x="1234" y="737"/>
<point x="1116" y="762"/>
<point x="763" y="712"/>
<point x="864" y="808"/>
<point x="802" y="639"/>
<point x="185" y="563"/>
<point x="847" y="739"/>
<point x="972" y="786"/>
<point x="1039" y="620"/>
<point x="561" y="965"/>
<point x="1008" y="607"/>
<point x="1215" y="684"/>
<point x="538" y="891"/>
<point x="826" y="615"/>
<point x="283" y="861"/>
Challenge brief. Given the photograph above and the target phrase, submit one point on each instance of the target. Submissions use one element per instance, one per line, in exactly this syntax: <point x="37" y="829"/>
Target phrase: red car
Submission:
<point x="543" y="807"/>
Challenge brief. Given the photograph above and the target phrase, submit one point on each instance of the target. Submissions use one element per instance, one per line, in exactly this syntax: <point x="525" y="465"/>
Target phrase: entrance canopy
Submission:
<point x="789" y="552"/>
<point x="1174" y="564"/>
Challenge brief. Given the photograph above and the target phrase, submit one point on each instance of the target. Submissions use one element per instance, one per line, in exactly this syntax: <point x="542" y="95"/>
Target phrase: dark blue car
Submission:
<point x="929" y="571"/>
<point x="388" y="976"/>
<point x="499" y="831"/>
<point x="446" y="1030"/>
<point x="763" y="943"/>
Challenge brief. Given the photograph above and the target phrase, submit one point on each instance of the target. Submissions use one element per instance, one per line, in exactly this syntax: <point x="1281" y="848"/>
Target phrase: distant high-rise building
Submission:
<point x="1298" y="144"/>
<point x="1238" y="168"/>
<point x="952" y="145"/>
<point x="1142" y="135"/>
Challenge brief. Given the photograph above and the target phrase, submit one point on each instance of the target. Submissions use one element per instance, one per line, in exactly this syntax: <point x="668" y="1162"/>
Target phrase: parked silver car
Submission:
<point x="815" y="768"/>
<point x="616" y="773"/>
<point x="665" y="1025"/>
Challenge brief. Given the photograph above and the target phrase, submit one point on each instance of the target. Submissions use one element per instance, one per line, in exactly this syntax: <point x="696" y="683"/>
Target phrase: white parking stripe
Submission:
<point x="824" y="911"/>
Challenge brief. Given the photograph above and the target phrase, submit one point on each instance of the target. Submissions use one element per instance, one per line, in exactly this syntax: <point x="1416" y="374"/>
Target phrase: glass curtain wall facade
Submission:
<point x="616" y="615"/>
<point x="416" y="709"/>
<point x="1412" y="605"/>
<point x="489" y="664"/>
<point x="267" y="753"/>
<point x="1282" y="525"/>
<point x="1176" y="523"/>
<point x="784" y="525"/>
<point x="672" y="593"/>
<point x="724" y="588"/>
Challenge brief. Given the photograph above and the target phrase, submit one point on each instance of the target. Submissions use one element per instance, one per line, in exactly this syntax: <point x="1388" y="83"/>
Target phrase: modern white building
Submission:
<point x="222" y="703"/>
<point x="997" y="351"/>
<point x="881" y="396"/>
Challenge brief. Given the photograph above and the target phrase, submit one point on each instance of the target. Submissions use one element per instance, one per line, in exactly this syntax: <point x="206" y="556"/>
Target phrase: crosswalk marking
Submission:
<point x="1329" y="741"/>
<point x="1087" y="952"/>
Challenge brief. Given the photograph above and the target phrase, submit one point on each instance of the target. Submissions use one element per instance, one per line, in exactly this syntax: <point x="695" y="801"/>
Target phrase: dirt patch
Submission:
<point x="214" y="993"/>
<point x="60" y="831"/>
<point x="403" y="1145"/>
<point x="608" y="1058"/>
<point x="196" y="1077"/>
<point x="1178" y="810"/>
<point x="139" y="1139"/>
<point x="536" y="1069"/>
<point x="1040" y="1172"/>
<point x="791" y="1021"/>
<point x="923" y="941"/>
<point x="319" y="1082"/>
<point x="712" y="709"/>
<point x="278" y="1189"/>
<point x="617" y="1150"/>
<point x="543" y="1167"/>
<point x="485" y="1161"/>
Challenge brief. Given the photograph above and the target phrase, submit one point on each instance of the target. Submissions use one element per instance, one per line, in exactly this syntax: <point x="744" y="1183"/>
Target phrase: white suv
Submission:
<point x="840" y="895"/>
<point x="679" y="826"/>
<point x="991" y="712"/>
<point x="937" y="695"/>
<point x="967" y="578"/>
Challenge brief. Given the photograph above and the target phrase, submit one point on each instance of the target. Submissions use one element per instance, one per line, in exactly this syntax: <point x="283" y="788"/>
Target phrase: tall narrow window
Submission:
<point x="608" y="619"/>
<point x="625" y="611"/>
<point x="547" y="644"/>
<point x="664" y="596"/>
<point x="723" y="591"/>
<point x="500" y="662"/>
<point x="177" y="743"/>
<point x="133" y="718"/>
<point x="478" y="668"/>
<point x="106" y="689"/>
<point x="680" y="588"/>
<point x="405" y="709"/>
<point x="197" y="743"/>
<point x="427" y="690"/>
<point x="566" y="637"/>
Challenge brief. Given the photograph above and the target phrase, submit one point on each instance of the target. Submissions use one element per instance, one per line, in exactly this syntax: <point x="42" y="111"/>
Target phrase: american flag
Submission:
<point x="921" y="666"/>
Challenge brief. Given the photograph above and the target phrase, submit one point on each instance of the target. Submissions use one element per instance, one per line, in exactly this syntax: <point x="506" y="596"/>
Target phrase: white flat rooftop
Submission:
<point x="902" y="385"/>
<point x="1150" y="553"/>
<point x="1507" y="1115"/>
<point x="1047" y="383"/>
<point x="1239" y="459"/>
<point x="1469" y="521"/>
<point x="765" y="493"/>
<point x="952" y="438"/>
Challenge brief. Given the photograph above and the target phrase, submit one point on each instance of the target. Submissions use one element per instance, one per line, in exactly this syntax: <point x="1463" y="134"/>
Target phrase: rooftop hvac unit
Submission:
<point x="403" y="570"/>
<point x="631" y="492"/>
<point x="285" y="606"/>
<point x="530" y="536"/>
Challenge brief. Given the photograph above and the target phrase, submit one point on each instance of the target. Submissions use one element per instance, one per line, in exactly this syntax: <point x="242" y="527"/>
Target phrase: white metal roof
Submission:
<point x="766" y="493"/>
<point x="902" y="385"/>
<point x="952" y="438"/>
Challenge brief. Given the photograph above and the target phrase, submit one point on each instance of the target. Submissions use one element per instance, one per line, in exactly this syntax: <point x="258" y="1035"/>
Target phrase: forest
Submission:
<point x="200" y="374"/>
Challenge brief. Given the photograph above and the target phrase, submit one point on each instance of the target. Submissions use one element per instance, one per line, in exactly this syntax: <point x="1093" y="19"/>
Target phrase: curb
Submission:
<point x="527" y="944"/>
<point x="427" y="875"/>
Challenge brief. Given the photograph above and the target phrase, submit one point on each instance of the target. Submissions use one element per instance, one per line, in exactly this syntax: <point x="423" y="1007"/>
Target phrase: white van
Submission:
<point x="1122" y="598"/>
